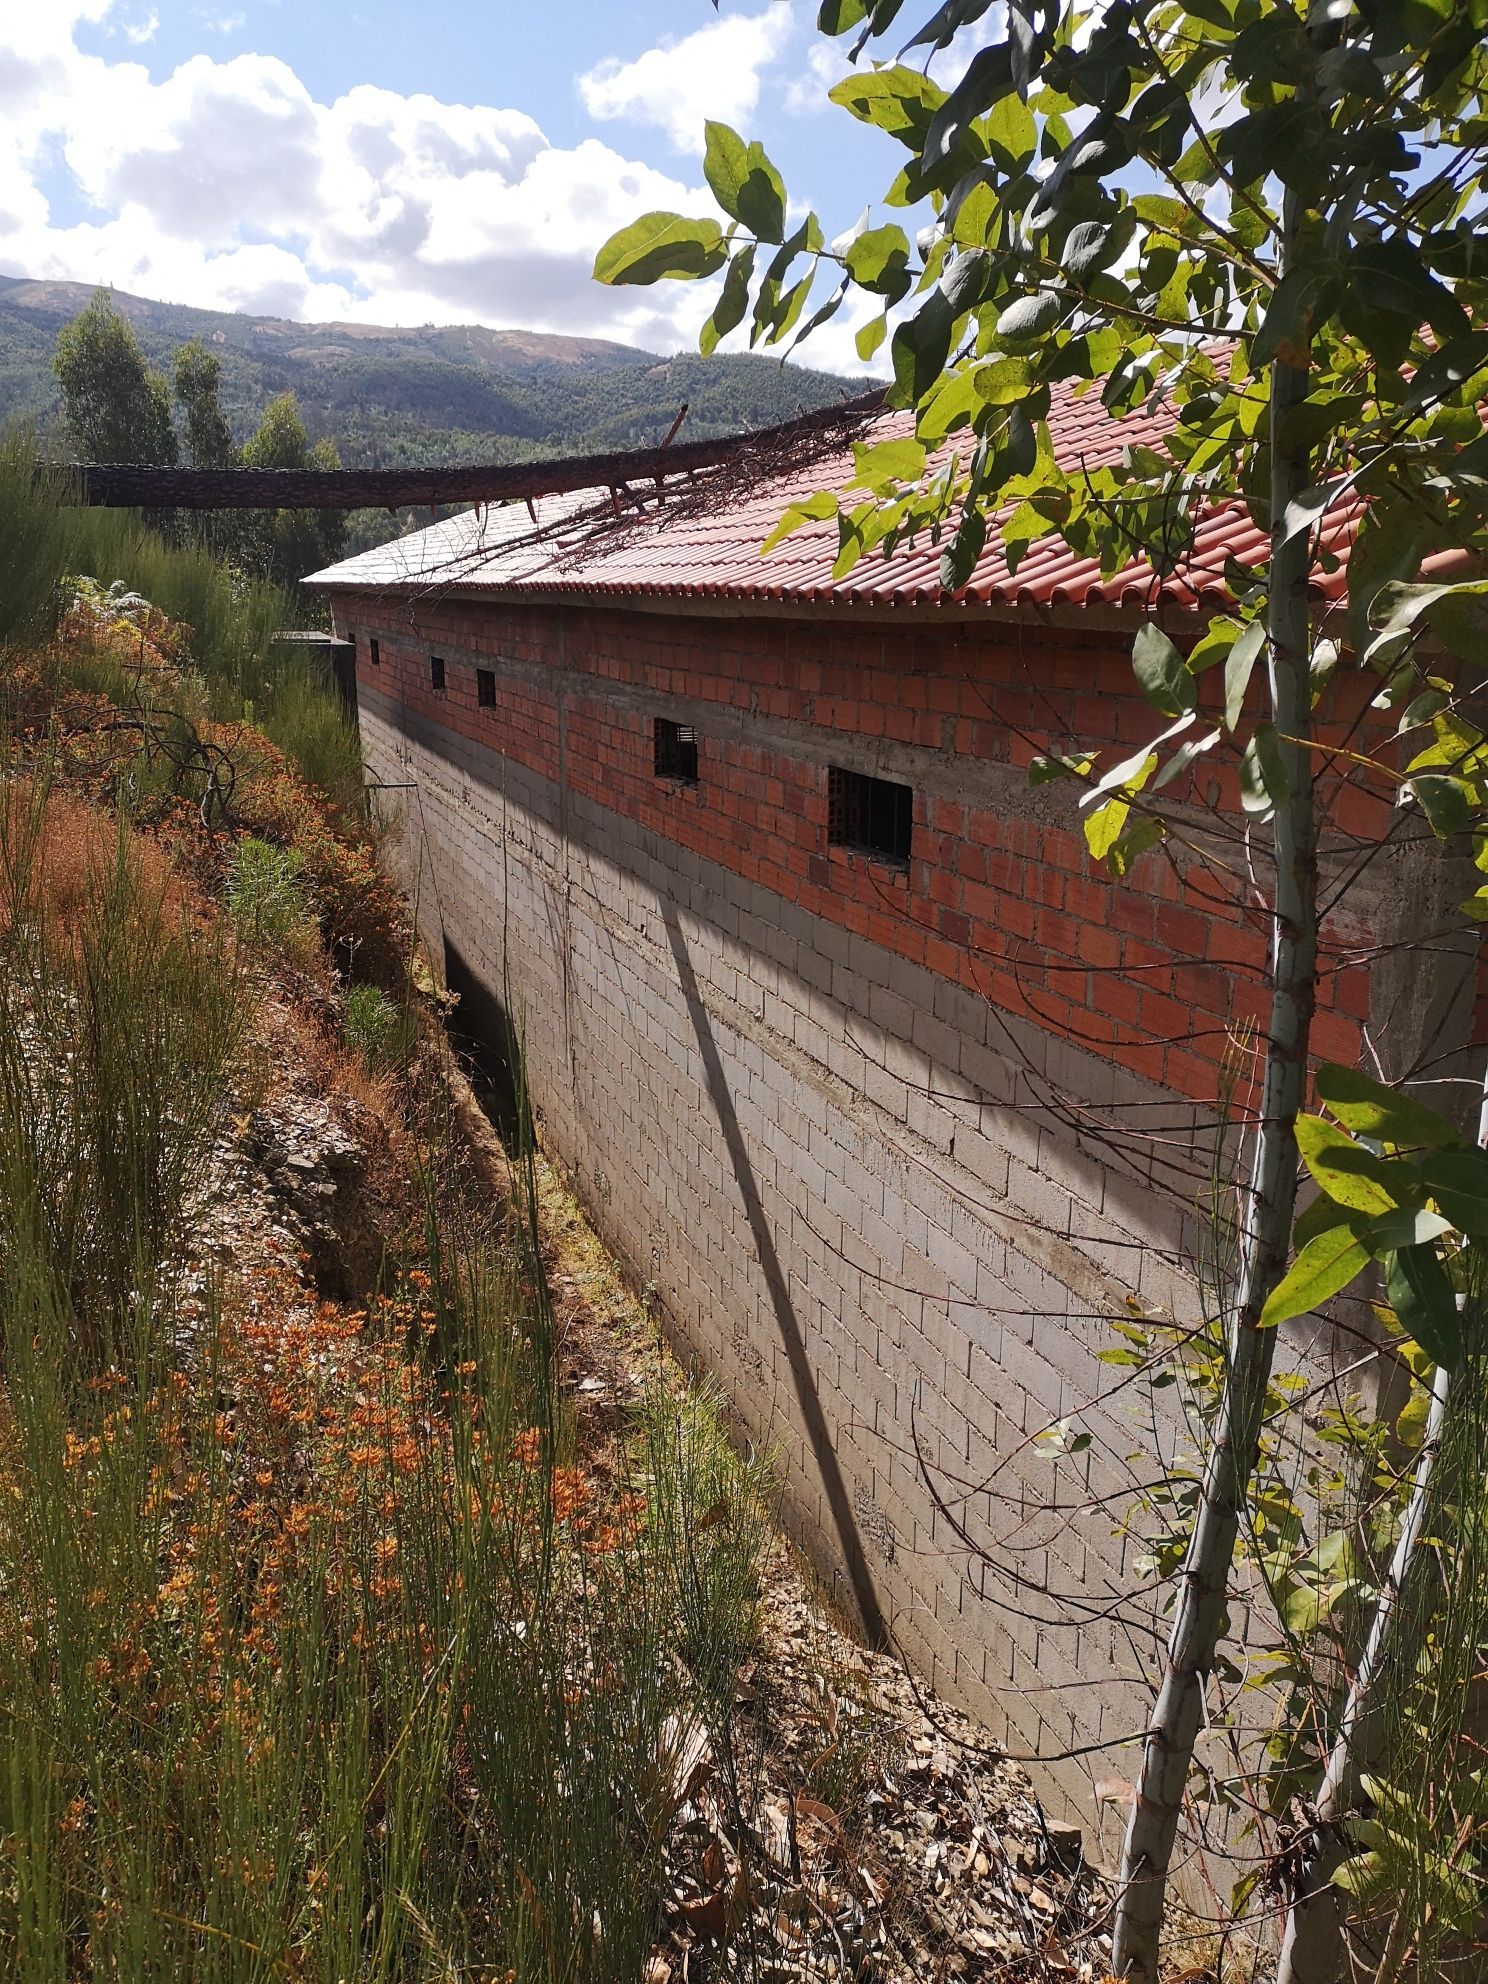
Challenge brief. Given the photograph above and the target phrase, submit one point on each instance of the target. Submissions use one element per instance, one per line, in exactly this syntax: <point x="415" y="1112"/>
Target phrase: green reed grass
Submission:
<point x="319" y="1657"/>
<point x="234" y="619"/>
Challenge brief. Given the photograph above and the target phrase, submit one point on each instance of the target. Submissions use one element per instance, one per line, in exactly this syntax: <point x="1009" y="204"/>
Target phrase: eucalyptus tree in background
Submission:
<point x="286" y="544"/>
<point x="116" y="405"/>
<point x="197" y="383"/>
<point x="1271" y="217"/>
<point x="196" y="378"/>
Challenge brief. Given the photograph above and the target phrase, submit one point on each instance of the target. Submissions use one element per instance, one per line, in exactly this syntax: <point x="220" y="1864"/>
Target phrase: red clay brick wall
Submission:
<point x="1156" y="972"/>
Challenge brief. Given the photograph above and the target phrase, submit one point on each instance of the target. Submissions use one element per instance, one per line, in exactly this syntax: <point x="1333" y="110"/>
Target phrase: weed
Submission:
<point x="306" y="720"/>
<point x="266" y="896"/>
<point x="374" y="1029"/>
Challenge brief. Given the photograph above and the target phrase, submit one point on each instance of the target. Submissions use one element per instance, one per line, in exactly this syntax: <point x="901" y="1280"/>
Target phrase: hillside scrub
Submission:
<point x="327" y="1651"/>
<point x="223" y="625"/>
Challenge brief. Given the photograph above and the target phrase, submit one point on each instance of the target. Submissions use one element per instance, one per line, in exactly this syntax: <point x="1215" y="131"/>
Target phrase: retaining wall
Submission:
<point x="891" y="1148"/>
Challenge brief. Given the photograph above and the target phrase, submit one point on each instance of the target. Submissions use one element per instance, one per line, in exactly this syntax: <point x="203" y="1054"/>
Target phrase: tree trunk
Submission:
<point x="1201" y="1616"/>
<point x="1313" y="1945"/>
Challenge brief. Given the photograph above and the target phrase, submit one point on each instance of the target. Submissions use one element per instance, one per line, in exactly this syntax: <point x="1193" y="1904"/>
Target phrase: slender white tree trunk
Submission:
<point x="1312" y="1946"/>
<point x="1200" y="1617"/>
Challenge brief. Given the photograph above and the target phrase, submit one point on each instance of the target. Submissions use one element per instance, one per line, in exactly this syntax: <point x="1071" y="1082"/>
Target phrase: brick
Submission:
<point x="947" y="1248"/>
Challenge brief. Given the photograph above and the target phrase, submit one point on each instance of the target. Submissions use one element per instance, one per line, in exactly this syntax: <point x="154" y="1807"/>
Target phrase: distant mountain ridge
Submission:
<point x="391" y="396"/>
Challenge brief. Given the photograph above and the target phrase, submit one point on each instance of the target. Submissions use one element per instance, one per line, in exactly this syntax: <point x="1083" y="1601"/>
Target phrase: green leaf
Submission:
<point x="1044" y="770"/>
<point x="1264" y="781"/>
<point x="1350" y="1174"/>
<point x="1363" y="1877"/>
<point x="813" y="509"/>
<point x="1423" y="1300"/>
<point x="1239" y="665"/>
<point x="1382" y="1114"/>
<point x="1456" y="612"/>
<point x="870" y="336"/>
<point x="1390" y="275"/>
<point x="659" y="246"/>
<point x="1303" y="1609"/>
<point x="1458" y="1181"/>
<point x="1028" y="317"/>
<point x="733" y="301"/>
<point x="1322" y="1216"/>
<point x="1005" y="381"/>
<point x="1160" y="672"/>
<point x="878" y="260"/>
<point x="1104" y="826"/>
<point x="950" y="406"/>
<point x="744" y="182"/>
<point x="1094" y="245"/>
<point x="1306" y="511"/>
<point x="1144" y="831"/>
<point x="920" y="349"/>
<point x="1298" y="302"/>
<point x="898" y="100"/>
<point x="1409" y="1226"/>
<point x="958" y="560"/>
<point x="878" y="463"/>
<point x="1446" y="802"/>
<point x="1184" y="756"/>
<point x="1324" y="1266"/>
<point x="1213" y="644"/>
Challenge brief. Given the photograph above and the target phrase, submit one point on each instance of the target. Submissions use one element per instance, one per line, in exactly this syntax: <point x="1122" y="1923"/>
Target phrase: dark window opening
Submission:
<point x="873" y="815"/>
<point x="436" y="671"/>
<point x="676" y="751"/>
<point x="374" y="652"/>
<point x="485" y="688"/>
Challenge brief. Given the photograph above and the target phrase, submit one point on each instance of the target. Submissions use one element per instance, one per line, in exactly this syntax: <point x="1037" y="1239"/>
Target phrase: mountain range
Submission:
<point x="392" y="397"/>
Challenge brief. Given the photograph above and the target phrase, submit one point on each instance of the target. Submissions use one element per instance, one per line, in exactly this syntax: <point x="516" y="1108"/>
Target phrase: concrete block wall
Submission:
<point x="892" y="1150"/>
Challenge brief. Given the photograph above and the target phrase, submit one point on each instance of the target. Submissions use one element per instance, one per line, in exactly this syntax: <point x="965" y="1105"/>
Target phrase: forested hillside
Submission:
<point x="389" y="397"/>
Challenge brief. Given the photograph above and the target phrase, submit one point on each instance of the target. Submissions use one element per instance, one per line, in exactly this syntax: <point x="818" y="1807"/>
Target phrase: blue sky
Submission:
<point x="400" y="164"/>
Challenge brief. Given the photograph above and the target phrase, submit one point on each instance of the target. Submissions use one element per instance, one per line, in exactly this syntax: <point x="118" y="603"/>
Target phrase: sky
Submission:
<point x="406" y="163"/>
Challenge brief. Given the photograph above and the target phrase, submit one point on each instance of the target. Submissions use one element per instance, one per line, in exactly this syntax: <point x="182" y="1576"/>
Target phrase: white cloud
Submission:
<point x="140" y="32"/>
<point x="826" y="64"/>
<point x="227" y="184"/>
<point x="714" y="72"/>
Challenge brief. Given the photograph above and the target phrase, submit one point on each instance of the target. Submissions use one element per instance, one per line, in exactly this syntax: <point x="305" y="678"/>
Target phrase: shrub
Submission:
<point x="38" y="532"/>
<point x="374" y="1028"/>
<point x="266" y="895"/>
<point x="119" y="1019"/>
<point x="305" y="718"/>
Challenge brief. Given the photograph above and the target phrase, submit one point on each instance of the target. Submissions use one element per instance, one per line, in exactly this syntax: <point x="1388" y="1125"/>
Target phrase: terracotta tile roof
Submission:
<point x="676" y="549"/>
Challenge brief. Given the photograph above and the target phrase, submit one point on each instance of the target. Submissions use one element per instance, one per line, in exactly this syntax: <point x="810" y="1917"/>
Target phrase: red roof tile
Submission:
<point x="577" y="545"/>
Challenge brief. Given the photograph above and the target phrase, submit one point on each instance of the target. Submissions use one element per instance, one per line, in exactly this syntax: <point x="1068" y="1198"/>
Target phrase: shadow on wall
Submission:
<point x="483" y="1031"/>
<point x="865" y="1597"/>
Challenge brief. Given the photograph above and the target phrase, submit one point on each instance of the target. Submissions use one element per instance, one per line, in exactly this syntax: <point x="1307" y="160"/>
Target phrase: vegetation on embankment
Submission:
<point x="326" y="1650"/>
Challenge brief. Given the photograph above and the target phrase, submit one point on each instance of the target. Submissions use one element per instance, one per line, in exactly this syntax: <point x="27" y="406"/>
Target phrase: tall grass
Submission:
<point x="322" y="1656"/>
<point x="37" y="532"/>
<point x="233" y="619"/>
<point x="118" y="1019"/>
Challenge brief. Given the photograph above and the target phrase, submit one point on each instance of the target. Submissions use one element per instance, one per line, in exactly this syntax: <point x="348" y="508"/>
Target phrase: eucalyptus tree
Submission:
<point x="1268" y="218"/>
<point x="117" y="406"/>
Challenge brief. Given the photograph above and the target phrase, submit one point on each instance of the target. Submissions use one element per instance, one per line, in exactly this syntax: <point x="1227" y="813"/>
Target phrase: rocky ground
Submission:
<point x="871" y="1831"/>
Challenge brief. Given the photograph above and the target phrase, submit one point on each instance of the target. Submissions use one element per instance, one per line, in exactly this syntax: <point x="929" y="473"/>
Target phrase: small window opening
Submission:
<point x="676" y="751"/>
<point x="485" y="688"/>
<point x="374" y="652"/>
<point x="436" y="671"/>
<point x="873" y="815"/>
